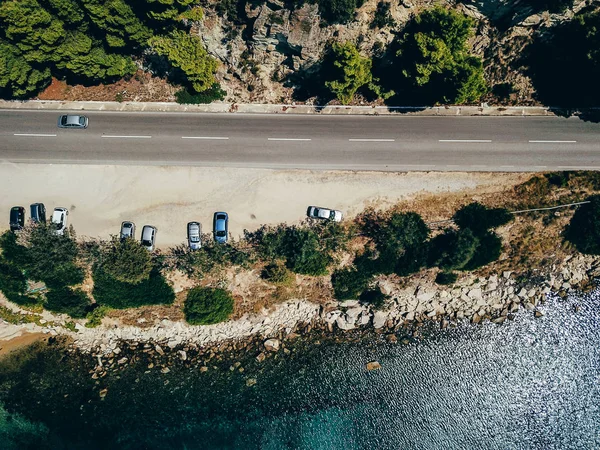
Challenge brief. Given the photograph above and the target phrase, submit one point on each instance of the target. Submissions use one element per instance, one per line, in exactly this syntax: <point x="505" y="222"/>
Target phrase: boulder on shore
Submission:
<point x="373" y="365"/>
<point x="272" y="345"/>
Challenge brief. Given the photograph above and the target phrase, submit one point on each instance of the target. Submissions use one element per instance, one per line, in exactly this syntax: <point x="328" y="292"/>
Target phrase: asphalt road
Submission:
<point x="394" y="143"/>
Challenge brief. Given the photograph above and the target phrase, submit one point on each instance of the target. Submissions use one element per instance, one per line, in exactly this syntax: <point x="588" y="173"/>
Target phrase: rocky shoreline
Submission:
<point x="421" y="302"/>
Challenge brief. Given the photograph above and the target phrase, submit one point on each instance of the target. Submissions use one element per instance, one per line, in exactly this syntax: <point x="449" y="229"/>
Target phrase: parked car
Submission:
<point x="316" y="212"/>
<point x="221" y="227"/>
<point x="17" y="218"/>
<point x="127" y="230"/>
<point x="148" y="237"/>
<point x="194" y="230"/>
<point x="72" y="121"/>
<point x="38" y="212"/>
<point x="59" y="219"/>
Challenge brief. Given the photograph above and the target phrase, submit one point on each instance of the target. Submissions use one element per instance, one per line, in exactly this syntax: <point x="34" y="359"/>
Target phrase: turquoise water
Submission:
<point x="528" y="384"/>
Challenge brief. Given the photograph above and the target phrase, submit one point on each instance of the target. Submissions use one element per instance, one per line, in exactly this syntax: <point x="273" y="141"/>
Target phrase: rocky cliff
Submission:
<point x="267" y="48"/>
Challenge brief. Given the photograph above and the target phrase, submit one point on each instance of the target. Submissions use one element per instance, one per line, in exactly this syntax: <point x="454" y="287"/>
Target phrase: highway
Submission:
<point x="390" y="143"/>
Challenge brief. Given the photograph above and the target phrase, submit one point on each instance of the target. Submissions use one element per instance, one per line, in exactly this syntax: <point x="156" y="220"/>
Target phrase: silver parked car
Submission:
<point x="148" y="237"/>
<point x="316" y="212"/>
<point x="221" y="227"/>
<point x="127" y="230"/>
<point x="72" y="121"/>
<point x="59" y="219"/>
<point x="194" y="230"/>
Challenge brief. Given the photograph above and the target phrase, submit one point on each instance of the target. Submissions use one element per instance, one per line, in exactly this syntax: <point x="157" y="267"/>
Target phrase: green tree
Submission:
<point x="73" y="302"/>
<point x="18" y="79"/>
<point x="348" y="283"/>
<point x="351" y="71"/>
<point x="126" y="260"/>
<point x="453" y="249"/>
<point x="119" y="295"/>
<point x="434" y="60"/>
<point x="583" y="230"/>
<point x="338" y="11"/>
<point x="206" y="306"/>
<point x="374" y="297"/>
<point x="118" y="21"/>
<point x="479" y="218"/>
<point x="32" y="29"/>
<point x="187" y="52"/>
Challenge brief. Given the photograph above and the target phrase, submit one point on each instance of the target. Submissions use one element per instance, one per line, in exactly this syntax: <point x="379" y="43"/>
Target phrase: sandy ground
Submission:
<point x="99" y="198"/>
<point x="17" y="339"/>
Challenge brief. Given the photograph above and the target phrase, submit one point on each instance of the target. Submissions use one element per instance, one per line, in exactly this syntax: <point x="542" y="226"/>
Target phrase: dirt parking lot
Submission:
<point x="99" y="198"/>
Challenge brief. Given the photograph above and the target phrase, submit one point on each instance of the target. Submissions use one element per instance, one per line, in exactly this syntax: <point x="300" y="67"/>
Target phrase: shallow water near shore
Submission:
<point x="530" y="383"/>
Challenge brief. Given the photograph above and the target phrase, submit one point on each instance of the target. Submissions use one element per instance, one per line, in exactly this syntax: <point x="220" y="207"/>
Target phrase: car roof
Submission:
<point x="147" y="232"/>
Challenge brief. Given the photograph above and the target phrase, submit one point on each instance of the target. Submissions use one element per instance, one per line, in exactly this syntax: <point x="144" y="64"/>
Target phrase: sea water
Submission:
<point x="531" y="383"/>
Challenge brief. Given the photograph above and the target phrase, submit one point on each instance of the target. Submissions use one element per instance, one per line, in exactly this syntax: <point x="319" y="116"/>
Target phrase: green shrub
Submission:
<point x="347" y="72"/>
<point x="583" y="230"/>
<point x="348" y="283"/>
<point x="73" y="302"/>
<point x="489" y="248"/>
<point x="119" y="295"/>
<point x="126" y="260"/>
<point x="14" y="285"/>
<point x="338" y="11"/>
<point x="446" y="278"/>
<point x="210" y="257"/>
<point x="382" y="17"/>
<point x="433" y="64"/>
<point x="213" y="94"/>
<point x="479" y="218"/>
<point x="277" y="273"/>
<point x="205" y="306"/>
<point x="49" y="257"/>
<point x="413" y="260"/>
<point x="374" y="297"/>
<point x="453" y="249"/>
<point x="95" y="316"/>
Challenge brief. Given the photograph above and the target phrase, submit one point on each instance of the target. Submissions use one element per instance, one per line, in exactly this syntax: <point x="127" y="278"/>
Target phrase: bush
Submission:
<point x="75" y="303"/>
<point x="95" y="316"/>
<point x="382" y="17"/>
<point x="374" y="297"/>
<point x="205" y="306"/>
<point x="48" y="257"/>
<point x="277" y="273"/>
<point x="14" y="285"/>
<point x="117" y="294"/>
<point x="214" y="93"/>
<point x="301" y="248"/>
<point x="347" y="71"/>
<point x="338" y="11"/>
<point x="433" y="64"/>
<point x="348" y="283"/>
<point x="584" y="229"/>
<point x="489" y="248"/>
<point x="445" y="278"/>
<point x="453" y="249"/>
<point x="126" y="260"/>
<point x="479" y="218"/>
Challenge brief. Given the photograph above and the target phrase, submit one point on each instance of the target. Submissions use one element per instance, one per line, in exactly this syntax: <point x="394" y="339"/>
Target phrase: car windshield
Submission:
<point x="194" y="239"/>
<point x="221" y="234"/>
<point x="63" y="120"/>
<point x="81" y="120"/>
<point x="58" y="225"/>
<point x="332" y="215"/>
<point x="146" y="243"/>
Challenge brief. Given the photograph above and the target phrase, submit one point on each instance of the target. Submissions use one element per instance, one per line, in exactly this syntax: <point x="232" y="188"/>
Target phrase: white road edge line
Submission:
<point x="465" y="140"/>
<point x="136" y="137"/>
<point x="372" y="140"/>
<point x="205" y="137"/>
<point x="552" y="142"/>
<point x="288" y="139"/>
<point x="34" y="134"/>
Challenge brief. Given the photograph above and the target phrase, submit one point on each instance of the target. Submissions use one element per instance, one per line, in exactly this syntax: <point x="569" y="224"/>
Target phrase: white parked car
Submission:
<point x="316" y="212"/>
<point x="59" y="219"/>
<point x="148" y="237"/>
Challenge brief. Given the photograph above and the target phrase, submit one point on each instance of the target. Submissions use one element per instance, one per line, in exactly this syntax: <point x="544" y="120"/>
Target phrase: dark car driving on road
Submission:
<point x="221" y="227"/>
<point x="17" y="218"/>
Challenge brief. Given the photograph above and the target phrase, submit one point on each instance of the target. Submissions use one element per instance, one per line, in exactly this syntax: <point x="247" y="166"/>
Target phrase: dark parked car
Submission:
<point x="221" y="227"/>
<point x="127" y="230"/>
<point x="38" y="212"/>
<point x="17" y="218"/>
<point x="148" y="237"/>
<point x="194" y="230"/>
<point x="72" y="121"/>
